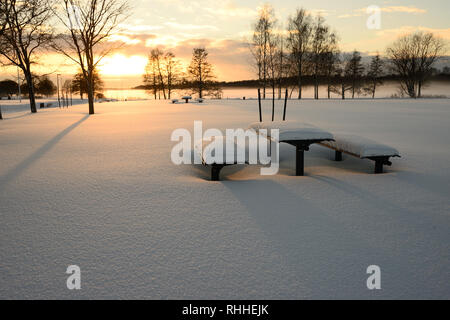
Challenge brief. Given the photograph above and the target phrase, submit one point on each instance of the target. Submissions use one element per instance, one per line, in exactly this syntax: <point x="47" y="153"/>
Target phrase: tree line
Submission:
<point x="309" y="49"/>
<point x="27" y="30"/>
<point x="164" y="73"/>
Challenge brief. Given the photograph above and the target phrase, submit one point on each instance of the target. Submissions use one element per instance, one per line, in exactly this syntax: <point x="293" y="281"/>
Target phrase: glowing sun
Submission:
<point x="120" y="65"/>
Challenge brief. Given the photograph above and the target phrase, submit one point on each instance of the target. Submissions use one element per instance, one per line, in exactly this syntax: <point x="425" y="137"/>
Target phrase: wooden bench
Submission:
<point x="298" y="134"/>
<point x="361" y="148"/>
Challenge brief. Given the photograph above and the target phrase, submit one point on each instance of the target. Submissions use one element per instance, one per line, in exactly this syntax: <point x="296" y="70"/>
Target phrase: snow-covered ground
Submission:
<point x="101" y="192"/>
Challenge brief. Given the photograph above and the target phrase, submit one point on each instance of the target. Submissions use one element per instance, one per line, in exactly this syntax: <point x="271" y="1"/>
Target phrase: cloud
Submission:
<point x="394" y="33"/>
<point x="389" y="9"/>
<point x="180" y="26"/>
<point x="138" y="28"/>
<point x="228" y="8"/>
<point x="385" y="37"/>
<point x="320" y="12"/>
<point x="403" y="9"/>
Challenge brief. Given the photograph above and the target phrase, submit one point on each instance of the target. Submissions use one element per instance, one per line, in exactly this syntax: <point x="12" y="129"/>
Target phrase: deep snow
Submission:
<point x="101" y="192"/>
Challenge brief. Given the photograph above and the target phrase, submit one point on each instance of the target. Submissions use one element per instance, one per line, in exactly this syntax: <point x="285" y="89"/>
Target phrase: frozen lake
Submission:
<point x="385" y="91"/>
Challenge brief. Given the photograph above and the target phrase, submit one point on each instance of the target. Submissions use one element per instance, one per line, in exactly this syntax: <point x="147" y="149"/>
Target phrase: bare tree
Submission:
<point x="412" y="57"/>
<point x="374" y="75"/>
<point x="90" y="24"/>
<point x="343" y="82"/>
<point x="2" y="31"/>
<point x="172" y="69"/>
<point x="273" y="66"/>
<point x="200" y="71"/>
<point x="355" y="70"/>
<point x="151" y="79"/>
<point x="330" y="63"/>
<point x="322" y="40"/>
<point x="262" y="37"/>
<point x="298" y="42"/>
<point x="25" y="30"/>
<point x="157" y="57"/>
<point x="162" y="72"/>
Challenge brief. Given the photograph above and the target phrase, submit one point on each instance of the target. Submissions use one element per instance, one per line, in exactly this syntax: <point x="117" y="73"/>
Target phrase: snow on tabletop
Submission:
<point x="219" y="156"/>
<point x="360" y="146"/>
<point x="293" y="130"/>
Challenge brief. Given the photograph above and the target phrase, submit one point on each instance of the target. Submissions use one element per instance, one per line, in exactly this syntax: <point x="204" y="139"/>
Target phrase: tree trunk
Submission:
<point x="374" y="90"/>
<point x="273" y="102"/>
<point x="343" y="92"/>
<point x="31" y="91"/>
<point x="316" y="88"/>
<point x="299" y="81"/>
<point x="419" y="90"/>
<point x="91" y="93"/>
<point x="162" y="85"/>
<point x="1" y="117"/>
<point x="299" y="89"/>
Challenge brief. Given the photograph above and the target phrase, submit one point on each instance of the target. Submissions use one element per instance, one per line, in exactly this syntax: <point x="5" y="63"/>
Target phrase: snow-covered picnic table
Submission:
<point x="292" y="131"/>
<point x="187" y="98"/>
<point x="298" y="134"/>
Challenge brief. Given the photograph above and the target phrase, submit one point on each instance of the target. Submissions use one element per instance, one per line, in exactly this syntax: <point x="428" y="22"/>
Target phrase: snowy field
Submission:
<point x="101" y="192"/>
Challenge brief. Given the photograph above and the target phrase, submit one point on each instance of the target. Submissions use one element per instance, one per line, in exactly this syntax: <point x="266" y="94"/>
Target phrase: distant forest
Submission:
<point x="438" y="75"/>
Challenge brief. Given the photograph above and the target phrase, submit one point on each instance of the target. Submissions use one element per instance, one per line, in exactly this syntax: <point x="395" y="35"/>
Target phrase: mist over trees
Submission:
<point x="307" y="52"/>
<point x="374" y="76"/>
<point x="412" y="57"/>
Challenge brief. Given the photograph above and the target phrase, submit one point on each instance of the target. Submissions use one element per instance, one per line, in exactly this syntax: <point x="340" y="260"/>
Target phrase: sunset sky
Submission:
<point x="223" y="27"/>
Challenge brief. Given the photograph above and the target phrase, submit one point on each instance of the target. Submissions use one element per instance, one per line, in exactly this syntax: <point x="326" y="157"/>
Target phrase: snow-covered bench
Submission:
<point x="362" y="148"/>
<point x="174" y="101"/>
<point x="199" y="100"/>
<point x="298" y="134"/>
<point x="220" y="158"/>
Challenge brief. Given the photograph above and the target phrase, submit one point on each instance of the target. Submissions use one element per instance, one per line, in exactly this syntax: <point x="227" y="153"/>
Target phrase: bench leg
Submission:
<point x="300" y="162"/>
<point x="338" y="156"/>
<point x="215" y="172"/>
<point x="379" y="166"/>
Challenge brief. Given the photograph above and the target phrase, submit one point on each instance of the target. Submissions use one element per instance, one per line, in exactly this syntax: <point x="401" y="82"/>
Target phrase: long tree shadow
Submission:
<point x="317" y="246"/>
<point x="17" y="170"/>
<point x="21" y="115"/>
